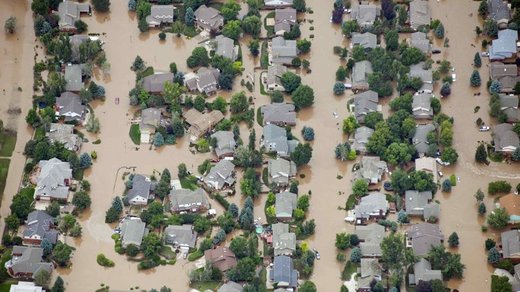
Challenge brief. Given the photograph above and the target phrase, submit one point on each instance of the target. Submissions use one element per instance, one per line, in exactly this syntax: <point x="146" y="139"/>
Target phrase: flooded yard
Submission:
<point x="123" y="43"/>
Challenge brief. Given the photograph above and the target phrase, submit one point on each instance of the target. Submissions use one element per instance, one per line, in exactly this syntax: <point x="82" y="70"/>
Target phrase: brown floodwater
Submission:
<point x="123" y="42"/>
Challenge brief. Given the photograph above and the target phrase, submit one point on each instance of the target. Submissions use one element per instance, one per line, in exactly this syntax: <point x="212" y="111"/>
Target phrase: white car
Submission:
<point x="454" y="77"/>
<point x="316" y="253"/>
<point x="440" y="173"/>
<point x="484" y="129"/>
<point x="484" y="54"/>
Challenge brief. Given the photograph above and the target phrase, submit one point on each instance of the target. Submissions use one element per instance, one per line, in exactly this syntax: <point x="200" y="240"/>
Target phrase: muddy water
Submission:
<point x="123" y="43"/>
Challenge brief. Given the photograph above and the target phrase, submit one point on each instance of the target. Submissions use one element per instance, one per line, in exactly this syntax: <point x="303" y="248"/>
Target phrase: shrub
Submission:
<point x="500" y="186"/>
<point x="339" y="88"/>
<point x="477" y="61"/>
<point x="102" y="260"/>
<point x="162" y="35"/>
<point x="475" y="80"/>
<point x="446" y="186"/>
<point x="308" y="133"/>
<point x="10" y="25"/>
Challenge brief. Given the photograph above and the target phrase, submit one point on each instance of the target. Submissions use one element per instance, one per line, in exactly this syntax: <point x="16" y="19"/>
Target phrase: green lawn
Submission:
<point x="135" y="134"/>
<point x="4" y="168"/>
<point x="349" y="269"/>
<point x="7" y="148"/>
<point x="259" y="116"/>
<point x="203" y="286"/>
<point x="190" y="183"/>
<point x="190" y="31"/>
<point x="167" y="252"/>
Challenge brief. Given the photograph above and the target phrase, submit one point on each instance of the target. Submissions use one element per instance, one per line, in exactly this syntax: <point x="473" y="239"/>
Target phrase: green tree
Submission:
<point x="342" y="241"/>
<point x="151" y="245"/>
<point x="250" y="185"/>
<point x="59" y="285"/>
<point x="10" y="25"/>
<point x="254" y="47"/>
<point x="448" y="263"/>
<point x="349" y="27"/>
<point x="303" y="45"/>
<point x="299" y="5"/>
<point x="453" y="240"/>
<point x="42" y="277"/>
<point x="481" y="209"/>
<point x="342" y="151"/>
<point x="12" y="222"/>
<point x="232" y="29"/>
<point x="244" y="270"/>
<point x="493" y="256"/>
<point x="144" y="8"/>
<point x="132" y="250"/>
<point x="290" y="81"/>
<point x="475" y="79"/>
<point x="307" y="286"/>
<point x="40" y="7"/>
<point x="449" y="155"/>
<point x="230" y="10"/>
<point x="439" y="31"/>
<point x="360" y="188"/>
<point x="178" y="28"/>
<point x="81" y="200"/>
<point x="252" y="25"/>
<point x="398" y="153"/>
<point x="101" y="5"/>
<point x="339" y="88"/>
<point x="349" y="125"/>
<point x="477" y="61"/>
<point x="341" y="73"/>
<point x="308" y="133"/>
<point x="239" y="103"/>
<point x="53" y="209"/>
<point x="355" y="255"/>
<point x="481" y="154"/>
<point x="392" y="40"/>
<point x="61" y="253"/>
<point x="445" y="89"/>
<point x="189" y="16"/>
<point x="303" y="96"/>
<point x="199" y="57"/>
<point x="395" y="255"/>
<point x="498" y="219"/>
<point x="302" y="154"/>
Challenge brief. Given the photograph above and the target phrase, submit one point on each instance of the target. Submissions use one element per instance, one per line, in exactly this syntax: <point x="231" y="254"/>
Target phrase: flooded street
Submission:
<point x="123" y="43"/>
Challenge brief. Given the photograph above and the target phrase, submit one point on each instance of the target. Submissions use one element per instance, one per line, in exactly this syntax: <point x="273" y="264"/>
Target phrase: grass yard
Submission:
<point x="349" y="269"/>
<point x="190" y="31"/>
<point x="7" y="147"/>
<point x="135" y="134"/>
<point x="4" y="168"/>
<point x="190" y="183"/>
<point x="167" y="252"/>
<point x="204" y="286"/>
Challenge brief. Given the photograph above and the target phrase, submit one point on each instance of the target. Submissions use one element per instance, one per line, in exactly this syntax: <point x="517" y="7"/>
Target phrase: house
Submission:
<point x="38" y="226"/>
<point x="230" y="286"/>
<point x="200" y="123"/>
<point x="422" y="237"/>
<point x="139" y="194"/>
<point x="69" y="106"/>
<point x="420" y="138"/>
<point x="504" y="47"/>
<point x="371" y="237"/>
<point x="365" y="15"/>
<point x="285" y="205"/>
<point x="419" y="204"/>
<point x="27" y="262"/>
<point x="370" y="269"/>
<point x="420" y="41"/>
<point x="284" y="242"/>
<point x="155" y="83"/>
<point x="205" y="81"/>
<point x="53" y="180"/>
<point x="510" y="241"/>
<point x="281" y="171"/>
<point x="281" y="114"/>
<point x="275" y="140"/>
<point x="511" y="203"/>
<point x="150" y="120"/>
<point x="180" y="236"/>
<point x="366" y="40"/>
<point x="221" y="175"/>
<point x="225" y="144"/>
<point x="184" y="200"/>
<point x="70" y="12"/>
<point x="360" y="74"/>
<point x="498" y="10"/>
<point x="422" y="271"/>
<point x="273" y="79"/>
<point x="365" y="103"/>
<point x="64" y="134"/>
<point x="428" y="165"/>
<point x="426" y="76"/>
<point x="282" y="51"/>
<point x="270" y="4"/>
<point x="505" y="139"/>
<point x="160" y="15"/>
<point x="509" y="106"/>
<point x="221" y="258"/>
<point x="226" y="48"/>
<point x="73" y="77"/>
<point x="25" y="287"/>
<point x="420" y="14"/>
<point x="371" y="169"/>
<point x="372" y="206"/>
<point x="132" y="231"/>
<point x="283" y="273"/>
<point x="284" y="19"/>
<point x="506" y="74"/>
<point x="75" y="42"/>
<point x="421" y="106"/>
<point x="209" y="19"/>
<point x="361" y="137"/>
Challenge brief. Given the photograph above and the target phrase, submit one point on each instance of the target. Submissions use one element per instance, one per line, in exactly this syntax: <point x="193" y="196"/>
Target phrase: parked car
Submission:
<point x="388" y="186"/>
<point x="484" y="54"/>
<point x="316" y="253"/>
<point x="454" y="77"/>
<point x="484" y="129"/>
<point x="440" y="173"/>
<point x="436" y="51"/>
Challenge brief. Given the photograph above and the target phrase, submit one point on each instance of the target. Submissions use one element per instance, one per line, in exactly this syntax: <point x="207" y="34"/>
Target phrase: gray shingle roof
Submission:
<point x="364" y="103"/>
<point x="421" y="106"/>
<point x="360" y="74"/>
<point x="75" y="41"/>
<point x="230" y="286"/>
<point x="201" y="123"/>
<point x="180" y="235"/>
<point x="281" y="170"/>
<point x="274" y="75"/>
<point x="285" y="204"/>
<point x="284" y="242"/>
<point x="70" y="106"/>
<point x="284" y="19"/>
<point x="511" y="243"/>
<point x="505" y="139"/>
<point x="365" y="14"/>
<point x="509" y="106"/>
<point x="283" y="272"/>
<point x="53" y="179"/>
<point x="426" y="76"/>
<point x="27" y="261"/>
<point x="185" y="200"/>
<point x="73" y="77"/>
<point x="160" y="14"/>
<point x="504" y="46"/>
<point x="370" y="269"/>
<point x="64" y="134"/>
<point x="420" y="138"/>
<point x="209" y="18"/>
<point x="416" y="201"/>
<point x="225" y="143"/>
<point x="373" y="204"/>
<point x="132" y="232"/>
<point x="151" y="117"/>
<point x="221" y="258"/>
<point x="225" y="47"/>
<point x="155" y="83"/>
<point x="367" y="40"/>
<point x="372" y="169"/>
<point x="69" y="12"/>
<point x="283" y="51"/>
<point x="498" y="11"/>
<point x="279" y="114"/>
<point x="220" y="175"/>
<point x="423" y="272"/>
<point x="278" y="3"/>
<point x="39" y="226"/>
<point x="371" y="237"/>
<point x="361" y="137"/>
<point x="423" y="236"/>
<point x="420" y="40"/>
<point x="275" y="140"/>
<point x="140" y="191"/>
<point x="419" y="13"/>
